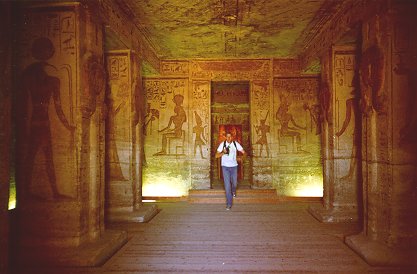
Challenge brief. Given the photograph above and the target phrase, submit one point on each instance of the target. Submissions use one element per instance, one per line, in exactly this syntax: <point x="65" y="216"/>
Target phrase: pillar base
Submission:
<point x="334" y="214"/>
<point x="93" y="253"/>
<point x="378" y="254"/>
<point x="141" y="215"/>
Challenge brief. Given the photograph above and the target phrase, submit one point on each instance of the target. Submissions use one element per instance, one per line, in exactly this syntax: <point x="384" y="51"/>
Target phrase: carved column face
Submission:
<point x="47" y="112"/>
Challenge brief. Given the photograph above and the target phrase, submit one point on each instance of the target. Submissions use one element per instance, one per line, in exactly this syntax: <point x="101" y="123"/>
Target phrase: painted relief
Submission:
<point x="260" y="112"/>
<point x="118" y="117"/>
<point x="166" y="100"/>
<point x="46" y="96"/>
<point x="230" y="70"/>
<point x="169" y="129"/>
<point x="175" y="68"/>
<point x="296" y="165"/>
<point x="297" y="113"/>
<point x="285" y="67"/>
<point x="347" y="129"/>
<point x="177" y="121"/>
<point x="372" y="77"/>
<point x="200" y="100"/>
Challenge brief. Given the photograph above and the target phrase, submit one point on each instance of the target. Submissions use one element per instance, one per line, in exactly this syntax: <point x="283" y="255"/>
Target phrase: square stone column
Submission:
<point x="124" y="139"/>
<point x="341" y="137"/>
<point x="59" y="105"/>
<point x="261" y="117"/>
<point x="5" y="130"/>
<point x="389" y="157"/>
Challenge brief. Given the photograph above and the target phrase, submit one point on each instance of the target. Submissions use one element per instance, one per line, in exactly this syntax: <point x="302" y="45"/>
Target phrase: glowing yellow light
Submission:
<point x="161" y="186"/>
<point x="311" y="187"/>
<point x="12" y="204"/>
<point x="12" y="196"/>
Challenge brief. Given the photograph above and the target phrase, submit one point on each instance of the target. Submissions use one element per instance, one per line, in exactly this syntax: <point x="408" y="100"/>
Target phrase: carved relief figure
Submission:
<point x="95" y="76"/>
<point x="115" y="102"/>
<point x="262" y="129"/>
<point x="151" y="115"/>
<point x="178" y="120"/>
<point x="38" y="86"/>
<point x="200" y="139"/>
<point x="372" y="79"/>
<point x="352" y="109"/>
<point x="315" y="115"/>
<point x="324" y="98"/>
<point x="286" y="130"/>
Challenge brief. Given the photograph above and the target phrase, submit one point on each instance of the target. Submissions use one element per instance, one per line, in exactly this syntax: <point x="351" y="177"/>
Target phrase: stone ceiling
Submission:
<point x="191" y="29"/>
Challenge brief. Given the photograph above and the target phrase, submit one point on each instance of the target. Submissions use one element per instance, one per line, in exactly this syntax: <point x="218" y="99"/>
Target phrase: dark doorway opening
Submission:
<point x="230" y="111"/>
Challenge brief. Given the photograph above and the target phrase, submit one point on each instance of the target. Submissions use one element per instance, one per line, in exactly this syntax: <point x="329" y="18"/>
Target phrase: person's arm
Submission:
<point x="242" y="157"/>
<point x="220" y="152"/>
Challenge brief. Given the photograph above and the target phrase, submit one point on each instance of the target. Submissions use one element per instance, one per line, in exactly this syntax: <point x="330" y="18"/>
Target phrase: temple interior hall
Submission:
<point x="112" y="113"/>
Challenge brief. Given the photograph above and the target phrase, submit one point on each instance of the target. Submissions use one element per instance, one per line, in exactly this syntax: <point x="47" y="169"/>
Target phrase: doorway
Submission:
<point x="230" y="111"/>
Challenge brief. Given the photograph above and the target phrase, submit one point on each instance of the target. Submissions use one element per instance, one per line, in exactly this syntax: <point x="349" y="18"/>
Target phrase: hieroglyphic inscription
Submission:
<point x="157" y="91"/>
<point x="174" y="68"/>
<point x="47" y="49"/>
<point x="119" y="115"/>
<point x="346" y="111"/>
<point x="231" y="70"/>
<point x="200" y="105"/>
<point x="286" y="67"/>
<point x="293" y="100"/>
<point x="169" y="98"/>
<point x="260" y="102"/>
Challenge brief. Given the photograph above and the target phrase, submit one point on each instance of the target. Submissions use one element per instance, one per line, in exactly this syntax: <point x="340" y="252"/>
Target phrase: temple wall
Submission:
<point x="288" y="160"/>
<point x="5" y="131"/>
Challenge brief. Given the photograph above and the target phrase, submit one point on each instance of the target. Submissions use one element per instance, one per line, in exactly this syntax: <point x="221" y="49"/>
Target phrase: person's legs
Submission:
<point x="227" y="185"/>
<point x="233" y="178"/>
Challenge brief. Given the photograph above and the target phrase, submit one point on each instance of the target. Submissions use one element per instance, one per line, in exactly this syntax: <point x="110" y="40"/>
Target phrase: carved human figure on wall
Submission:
<point x="150" y="116"/>
<point x="200" y="139"/>
<point x="262" y="129"/>
<point x="315" y="114"/>
<point x="178" y="120"/>
<point x="352" y="109"/>
<point x="286" y="130"/>
<point x="372" y="69"/>
<point x="324" y="98"/>
<point x="115" y="101"/>
<point x="38" y="87"/>
<point x="95" y="77"/>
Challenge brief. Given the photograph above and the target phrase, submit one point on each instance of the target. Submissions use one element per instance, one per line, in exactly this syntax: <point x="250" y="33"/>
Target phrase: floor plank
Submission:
<point x="255" y="238"/>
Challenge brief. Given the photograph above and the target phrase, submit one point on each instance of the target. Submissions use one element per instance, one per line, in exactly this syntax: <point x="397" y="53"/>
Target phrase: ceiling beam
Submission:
<point x="117" y="16"/>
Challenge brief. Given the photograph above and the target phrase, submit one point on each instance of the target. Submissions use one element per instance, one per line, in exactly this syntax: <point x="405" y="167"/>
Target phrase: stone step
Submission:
<point x="244" y="196"/>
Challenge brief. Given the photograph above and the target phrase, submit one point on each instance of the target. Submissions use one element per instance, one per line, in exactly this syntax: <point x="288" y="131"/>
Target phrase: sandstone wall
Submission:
<point x="288" y="160"/>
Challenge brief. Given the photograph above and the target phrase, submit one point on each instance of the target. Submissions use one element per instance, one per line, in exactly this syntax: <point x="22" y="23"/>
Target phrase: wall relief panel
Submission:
<point x="296" y="140"/>
<point x="167" y="136"/>
<point x="231" y="70"/>
<point x="47" y="92"/>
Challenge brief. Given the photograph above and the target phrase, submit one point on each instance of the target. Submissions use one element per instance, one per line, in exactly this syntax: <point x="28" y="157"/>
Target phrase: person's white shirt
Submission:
<point x="230" y="159"/>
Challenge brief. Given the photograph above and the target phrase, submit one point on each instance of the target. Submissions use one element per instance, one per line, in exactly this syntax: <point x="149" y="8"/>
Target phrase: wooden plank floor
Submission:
<point x="255" y="238"/>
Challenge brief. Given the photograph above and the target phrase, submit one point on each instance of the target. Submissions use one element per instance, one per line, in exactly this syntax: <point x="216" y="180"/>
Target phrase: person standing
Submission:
<point x="227" y="150"/>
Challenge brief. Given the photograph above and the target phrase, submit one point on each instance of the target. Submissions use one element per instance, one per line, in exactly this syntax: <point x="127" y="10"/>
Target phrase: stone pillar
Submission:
<point x="341" y="137"/>
<point x="388" y="101"/>
<point x="124" y="139"/>
<point x="60" y="86"/>
<point x="261" y="113"/>
<point x="5" y="131"/>
<point x="200" y="123"/>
